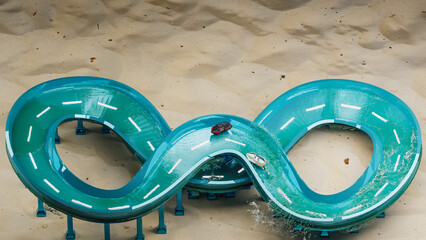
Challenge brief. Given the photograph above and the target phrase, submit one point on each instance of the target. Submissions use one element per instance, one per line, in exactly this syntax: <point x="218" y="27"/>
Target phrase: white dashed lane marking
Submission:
<point x="71" y="102"/>
<point x="379" y="117"/>
<point x="174" y="166"/>
<point x="315" y="108"/>
<point x="29" y="134"/>
<point x="32" y="160"/>
<point x="81" y="203"/>
<point x="396" y="136"/>
<point x="380" y="190"/>
<point x="150" y="192"/>
<point x="350" y="106"/>
<point x="199" y="145"/>
<point x="233" y="141"/>
<point x="134" y="124"/>
<point x="51" y="186"/>
<point x="43" y="112"/>
<point x="287" y="123"/>
<point x="119" y="207"/>
<point x="107" y="106"/>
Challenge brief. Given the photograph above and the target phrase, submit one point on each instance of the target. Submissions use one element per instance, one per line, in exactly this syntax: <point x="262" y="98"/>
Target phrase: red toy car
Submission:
<point x="221" y="127"/>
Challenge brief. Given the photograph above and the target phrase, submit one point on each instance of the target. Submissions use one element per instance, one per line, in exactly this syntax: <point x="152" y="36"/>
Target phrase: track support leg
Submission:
<point x="107" y="231"/>
<point x="57" y="138"/>
<point x="105" y="130"/>
<point x="70" y="234"/>
<point x="324" y="234"/>
<point x="381" y="215"/>
<point x="230" y="195"/>
<point x="161" y="229"/>
<point x="179" y="210"/>
<point x="41" y="211"/>
<point x="192" y="195"/>
<point x="139" y="230"/>
<point x="298" y="228"/>
<point x="80" y="130"/>
<point x="354" y="229"/>
<point x="212" y="196"/>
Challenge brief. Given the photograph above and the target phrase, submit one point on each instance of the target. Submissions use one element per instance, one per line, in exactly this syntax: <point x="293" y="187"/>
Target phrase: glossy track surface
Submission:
<point x="174" y="158"/>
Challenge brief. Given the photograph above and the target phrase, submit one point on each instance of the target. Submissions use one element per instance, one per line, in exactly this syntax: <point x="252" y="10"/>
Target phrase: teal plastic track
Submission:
<point x="173" y="158"/>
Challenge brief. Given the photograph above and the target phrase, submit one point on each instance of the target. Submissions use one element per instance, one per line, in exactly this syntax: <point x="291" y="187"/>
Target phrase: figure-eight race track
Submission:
<point x="173" y="158"/>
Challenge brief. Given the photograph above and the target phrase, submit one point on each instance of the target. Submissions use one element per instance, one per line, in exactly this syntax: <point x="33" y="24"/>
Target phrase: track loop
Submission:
<point x="255" y="150"/>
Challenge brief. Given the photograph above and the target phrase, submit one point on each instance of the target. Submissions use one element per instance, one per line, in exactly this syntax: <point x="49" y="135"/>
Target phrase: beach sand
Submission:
<point x="193" y="58"/>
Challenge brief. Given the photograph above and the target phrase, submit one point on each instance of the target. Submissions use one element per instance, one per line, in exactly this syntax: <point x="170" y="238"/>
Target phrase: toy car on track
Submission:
<point x="256" y="159"/>
<point x="221" y="127"/>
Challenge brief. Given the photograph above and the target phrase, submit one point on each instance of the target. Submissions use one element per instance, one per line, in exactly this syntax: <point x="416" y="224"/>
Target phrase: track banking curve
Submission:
<point x="174" y="158"/>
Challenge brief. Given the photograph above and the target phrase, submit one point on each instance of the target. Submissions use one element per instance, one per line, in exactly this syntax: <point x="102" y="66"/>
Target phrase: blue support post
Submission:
<point x="139" y="230"/>
<point x="41" y="211"/>
<point x="80" y="130"/>
<point x="192" y="195"/>
<point x="179" y="210"/>
<point x="354" y="229"/>
<point x="57" y="138"/>
<point x="70" y="234"/>
<point x="212" y="196"/>
<point x="230" y="195"/>
<point x="161" y="229"/>
<point x="105" y="130"/>
<point x="324" y="234"/>
<point x="381" y="215"/>
<point x="107" y="231"/>
<point x="298" y="228"/>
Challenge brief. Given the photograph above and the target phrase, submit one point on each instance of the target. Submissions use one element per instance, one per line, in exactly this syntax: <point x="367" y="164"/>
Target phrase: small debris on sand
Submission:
<point x="346" y="161"/>
<point x="92" y="59"/>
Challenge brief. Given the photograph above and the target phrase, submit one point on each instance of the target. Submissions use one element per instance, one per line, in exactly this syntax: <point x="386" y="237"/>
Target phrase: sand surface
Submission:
<point x="193" y="58"/>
